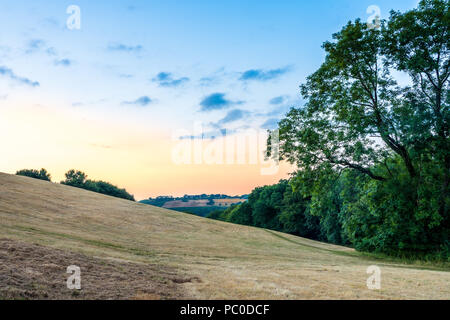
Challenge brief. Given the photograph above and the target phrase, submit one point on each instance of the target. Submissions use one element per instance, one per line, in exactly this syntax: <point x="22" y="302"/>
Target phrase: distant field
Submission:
<point x="185" y="204"/>
<point x="227" y="202"/>
<point x="135" y="251"/>
<point x="201" y="203"/>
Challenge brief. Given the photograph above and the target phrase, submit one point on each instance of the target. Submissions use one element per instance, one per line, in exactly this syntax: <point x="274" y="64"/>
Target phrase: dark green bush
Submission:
<point x="79" y="179"/>
<point x="36" y="174"/>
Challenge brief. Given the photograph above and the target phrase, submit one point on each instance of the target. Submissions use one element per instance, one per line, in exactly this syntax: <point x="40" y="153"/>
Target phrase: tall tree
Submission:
<point x="417" y="43"/>
<point x="379" y="105"/>
<point x="357" y="116"/>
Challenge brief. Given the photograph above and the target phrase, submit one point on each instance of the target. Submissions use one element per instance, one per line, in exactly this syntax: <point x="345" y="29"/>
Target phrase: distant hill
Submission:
<point x="200" y="205"/>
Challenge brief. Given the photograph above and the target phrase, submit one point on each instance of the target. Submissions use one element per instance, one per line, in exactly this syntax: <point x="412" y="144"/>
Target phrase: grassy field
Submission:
<point x="135" y="251"/>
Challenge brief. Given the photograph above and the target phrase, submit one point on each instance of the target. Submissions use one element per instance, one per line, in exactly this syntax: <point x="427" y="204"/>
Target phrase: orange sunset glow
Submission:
<point x="131" y="155"/>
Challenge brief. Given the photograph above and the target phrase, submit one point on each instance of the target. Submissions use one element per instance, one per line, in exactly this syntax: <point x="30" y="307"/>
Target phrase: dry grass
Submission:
<point x="227" y="261"/>
<point x="29" y="271"/>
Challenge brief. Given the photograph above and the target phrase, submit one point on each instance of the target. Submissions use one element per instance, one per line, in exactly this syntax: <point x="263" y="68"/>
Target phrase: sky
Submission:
<point x="159" y="97"/>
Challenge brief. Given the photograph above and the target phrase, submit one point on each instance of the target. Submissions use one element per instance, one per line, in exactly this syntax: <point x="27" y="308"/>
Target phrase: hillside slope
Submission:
<point x="157" y="253"/>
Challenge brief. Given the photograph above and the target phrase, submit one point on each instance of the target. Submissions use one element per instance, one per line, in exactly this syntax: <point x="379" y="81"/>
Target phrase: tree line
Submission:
<point x="78" y="179"/>
<point x="373" y="154"/>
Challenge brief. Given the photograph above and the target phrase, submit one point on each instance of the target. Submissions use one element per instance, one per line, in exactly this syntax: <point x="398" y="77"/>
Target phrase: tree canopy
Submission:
<point x="371" y="142"/>
<point x="36" y="174"/>
<point x="79" y="179"/>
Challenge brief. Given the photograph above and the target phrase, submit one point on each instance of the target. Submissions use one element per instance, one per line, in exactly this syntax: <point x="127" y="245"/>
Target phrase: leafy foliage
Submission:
<point x="358" y="119"/>
<point x="373" y="154"/>
<point x="36" y="174"/>
<point x="79" y="179"/>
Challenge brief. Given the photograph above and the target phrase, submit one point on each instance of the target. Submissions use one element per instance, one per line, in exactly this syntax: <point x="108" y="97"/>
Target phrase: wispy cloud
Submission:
<point x="278" y="100"/>
<point x="270" y="124"/>
<point x="233" y="115"/>
<point x="51" y="22"/>
<point x="208" y="81"/>
<point x="214" y="78"/>
<point x="34" y="45"/>
<point x="86" y="103"/>
<point x="125" y="48"/>
<point x="6" y="72"/>
<point x="282" y="105"/>
<point x="142" y="101"/>
<point x="220" y="128"/>
<point x="39" y="45"/>
<point x="263" y="75"/>
<point x="63" y="62"/>
<point x="51" y="51"/>
<point x="217" y="101"/>
<point x="166" y="79"/>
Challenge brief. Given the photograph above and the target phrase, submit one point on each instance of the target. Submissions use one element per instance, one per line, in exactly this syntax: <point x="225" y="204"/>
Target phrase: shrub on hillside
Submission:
<point x="79" y="179"/>
<point x="36" y="174"/>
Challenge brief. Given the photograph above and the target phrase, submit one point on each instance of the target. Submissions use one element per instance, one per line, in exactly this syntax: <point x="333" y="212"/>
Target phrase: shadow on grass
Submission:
<point x="375" y="257"/>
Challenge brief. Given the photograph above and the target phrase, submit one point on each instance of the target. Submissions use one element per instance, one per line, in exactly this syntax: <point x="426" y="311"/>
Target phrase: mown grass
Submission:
<point x="96" y="243"/>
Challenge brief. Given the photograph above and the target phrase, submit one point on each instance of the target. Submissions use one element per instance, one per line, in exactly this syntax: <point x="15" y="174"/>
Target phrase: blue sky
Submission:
<point x="166" y="64"/>
<point x="250" y="51"/>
